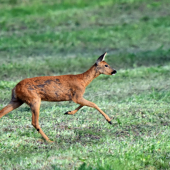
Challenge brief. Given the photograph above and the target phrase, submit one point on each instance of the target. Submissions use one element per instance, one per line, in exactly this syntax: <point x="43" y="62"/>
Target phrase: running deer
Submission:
<point x="56" y="88"/>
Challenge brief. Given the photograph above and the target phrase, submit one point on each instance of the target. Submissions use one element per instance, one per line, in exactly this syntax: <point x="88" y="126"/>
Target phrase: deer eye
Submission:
<point x="106" y="65"/>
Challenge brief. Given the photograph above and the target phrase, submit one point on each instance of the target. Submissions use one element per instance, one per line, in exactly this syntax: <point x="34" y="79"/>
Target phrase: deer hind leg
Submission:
<point x="35" y="107"/>
<point x="73" y="111"/>
<point x="11" y="106"/>
<point x="84" y="102"/>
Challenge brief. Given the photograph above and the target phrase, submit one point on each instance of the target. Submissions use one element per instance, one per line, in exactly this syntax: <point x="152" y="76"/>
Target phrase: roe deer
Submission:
<point x="56" y="88"/>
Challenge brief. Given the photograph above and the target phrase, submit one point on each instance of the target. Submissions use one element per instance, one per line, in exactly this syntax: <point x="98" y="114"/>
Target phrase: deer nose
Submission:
<point x="114" y="72"/>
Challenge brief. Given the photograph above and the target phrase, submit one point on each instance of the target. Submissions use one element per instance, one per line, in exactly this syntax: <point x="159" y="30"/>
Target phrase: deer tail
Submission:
<point x="14" y="103"/>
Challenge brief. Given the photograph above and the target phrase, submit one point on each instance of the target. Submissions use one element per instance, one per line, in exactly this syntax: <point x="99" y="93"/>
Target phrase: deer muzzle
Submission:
<point x="113" y="72"/>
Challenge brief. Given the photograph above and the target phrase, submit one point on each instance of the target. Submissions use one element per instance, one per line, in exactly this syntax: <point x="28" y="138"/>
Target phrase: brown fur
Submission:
<point x="56" y="88"/>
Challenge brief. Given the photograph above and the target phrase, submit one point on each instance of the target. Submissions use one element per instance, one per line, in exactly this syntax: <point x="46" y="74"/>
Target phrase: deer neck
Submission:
<point x="90" y="74"/>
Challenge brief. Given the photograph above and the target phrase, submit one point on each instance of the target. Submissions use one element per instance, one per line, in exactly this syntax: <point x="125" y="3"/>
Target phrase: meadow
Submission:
<point x="54" y="37"/>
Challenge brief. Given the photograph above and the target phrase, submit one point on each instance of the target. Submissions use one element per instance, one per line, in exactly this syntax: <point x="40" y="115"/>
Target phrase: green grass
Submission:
<point x="40" y="38"/>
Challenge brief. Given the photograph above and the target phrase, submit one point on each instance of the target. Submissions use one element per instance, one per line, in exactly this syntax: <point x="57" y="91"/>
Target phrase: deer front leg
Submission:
<point x="84" y="102"/>
<point x="73" y="111"/>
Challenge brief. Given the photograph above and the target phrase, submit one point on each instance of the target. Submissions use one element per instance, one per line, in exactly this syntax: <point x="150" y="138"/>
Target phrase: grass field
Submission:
<point x="56" y="37"/>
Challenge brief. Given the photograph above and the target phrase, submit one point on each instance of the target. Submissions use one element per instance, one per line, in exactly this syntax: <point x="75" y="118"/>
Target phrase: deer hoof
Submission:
<point x="66" y="113"/>
<point x="110" y="122"/>
<point x="50" y="141"/>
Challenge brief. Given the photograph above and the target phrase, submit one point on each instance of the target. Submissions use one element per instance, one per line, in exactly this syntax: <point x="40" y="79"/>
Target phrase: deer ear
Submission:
<point x="101" y="58"/>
